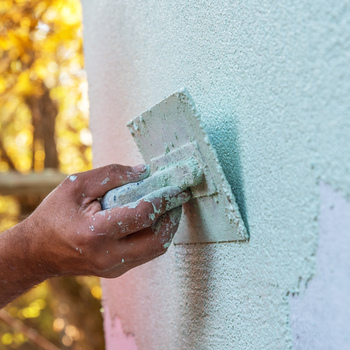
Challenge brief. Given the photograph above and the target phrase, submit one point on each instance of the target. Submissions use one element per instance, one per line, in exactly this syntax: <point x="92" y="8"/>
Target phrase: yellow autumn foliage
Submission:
<point x="41" y="48"/>
<point x="42" y="67"/>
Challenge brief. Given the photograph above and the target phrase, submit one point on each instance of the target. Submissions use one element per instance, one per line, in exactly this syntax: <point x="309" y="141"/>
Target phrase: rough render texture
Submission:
<point x="272" y="82"/>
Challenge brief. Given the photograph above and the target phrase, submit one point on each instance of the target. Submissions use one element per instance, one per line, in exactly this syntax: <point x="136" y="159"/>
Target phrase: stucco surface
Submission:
<point x="272" y="82"/>
<point x="320" y="315"/>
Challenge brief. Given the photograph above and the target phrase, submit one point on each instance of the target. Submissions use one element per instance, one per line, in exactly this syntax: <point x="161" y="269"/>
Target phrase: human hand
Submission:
<point x="72" y="235"/>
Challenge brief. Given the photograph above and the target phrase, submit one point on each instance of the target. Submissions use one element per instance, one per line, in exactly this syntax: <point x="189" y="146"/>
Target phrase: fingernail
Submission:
<point x="143" y="170"/>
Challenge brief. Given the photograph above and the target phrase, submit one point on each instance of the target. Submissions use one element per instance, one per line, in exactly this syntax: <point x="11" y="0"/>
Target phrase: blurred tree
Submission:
<point x="41" y="67"/>
<point x="44" y="124"/>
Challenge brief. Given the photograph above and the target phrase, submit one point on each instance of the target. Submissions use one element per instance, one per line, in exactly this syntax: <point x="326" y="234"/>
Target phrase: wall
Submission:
<point x="272" y="82"/>
<point x="320" y="314"/>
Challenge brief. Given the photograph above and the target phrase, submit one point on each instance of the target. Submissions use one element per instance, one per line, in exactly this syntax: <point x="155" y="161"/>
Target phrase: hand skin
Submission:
<point x="69" y="233"/>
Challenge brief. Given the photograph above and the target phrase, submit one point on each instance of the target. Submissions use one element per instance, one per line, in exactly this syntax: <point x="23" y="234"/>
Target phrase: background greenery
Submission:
<point x="44" y="124"/>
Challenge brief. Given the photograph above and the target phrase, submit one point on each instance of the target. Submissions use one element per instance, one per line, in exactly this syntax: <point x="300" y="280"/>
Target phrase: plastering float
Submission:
<point x="172" y="140"/>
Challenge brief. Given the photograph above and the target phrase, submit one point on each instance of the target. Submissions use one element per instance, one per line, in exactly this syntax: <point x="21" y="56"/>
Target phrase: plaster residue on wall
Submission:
<point x="320" y="314"/>
<point x="271" y="81"/>
<point x="115" y="333"/>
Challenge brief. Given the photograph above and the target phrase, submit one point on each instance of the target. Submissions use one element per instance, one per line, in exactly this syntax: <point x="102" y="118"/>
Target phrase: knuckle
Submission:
<point x="119" y="171"/>
<point x="87" y="241"/>
<point x="71" y="181"/>
<point x="145" y="212"/>
<point x="101" y="263"/>
<point x="124" y="172"/>
<point x="161" y="244"/>
<point x="160" y="248"/>
<point x="100" y="258"/>
<point x="115" y="169"/>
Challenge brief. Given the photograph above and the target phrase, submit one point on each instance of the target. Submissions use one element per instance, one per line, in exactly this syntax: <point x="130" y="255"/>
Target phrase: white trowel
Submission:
<point x="172" y="140"/>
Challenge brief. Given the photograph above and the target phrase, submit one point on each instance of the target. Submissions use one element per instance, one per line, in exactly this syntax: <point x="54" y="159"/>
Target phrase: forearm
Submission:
<point x="20" y="268"/>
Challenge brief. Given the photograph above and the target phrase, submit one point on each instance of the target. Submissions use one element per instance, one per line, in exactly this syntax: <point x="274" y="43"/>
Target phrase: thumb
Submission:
<point x="95" y="183"/>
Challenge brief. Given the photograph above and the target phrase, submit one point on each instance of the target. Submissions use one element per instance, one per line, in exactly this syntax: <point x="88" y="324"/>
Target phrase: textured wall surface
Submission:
<point x="320" y="315"/>
<point x="272" y="82"/>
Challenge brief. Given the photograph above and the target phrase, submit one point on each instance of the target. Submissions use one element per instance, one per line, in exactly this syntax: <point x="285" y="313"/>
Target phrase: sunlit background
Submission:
<point x="44" y="132"/>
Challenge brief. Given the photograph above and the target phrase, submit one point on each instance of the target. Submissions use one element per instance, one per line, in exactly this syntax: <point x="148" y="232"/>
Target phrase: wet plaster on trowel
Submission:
<point x="272" y="84"/>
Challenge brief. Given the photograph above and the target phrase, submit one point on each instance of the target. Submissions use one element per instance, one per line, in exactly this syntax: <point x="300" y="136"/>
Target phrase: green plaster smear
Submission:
<point x="166" y="245"/>
<point x="272" y="83"/>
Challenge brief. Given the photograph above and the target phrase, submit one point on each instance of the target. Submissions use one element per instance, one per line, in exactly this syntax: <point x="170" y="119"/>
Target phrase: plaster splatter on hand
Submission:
<point x="73" y="178"/>
<point x="167" y="222"/>
<point x="105" y="181"/>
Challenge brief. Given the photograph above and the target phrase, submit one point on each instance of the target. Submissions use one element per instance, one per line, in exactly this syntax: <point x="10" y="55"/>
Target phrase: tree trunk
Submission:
<point x="44" y="112"/>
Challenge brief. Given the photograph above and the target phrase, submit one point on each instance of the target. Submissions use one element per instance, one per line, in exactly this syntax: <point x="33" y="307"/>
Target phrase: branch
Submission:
<point x="6" y="157"/>
<point x="14" y="183"/>
<point x="30" y="333"/>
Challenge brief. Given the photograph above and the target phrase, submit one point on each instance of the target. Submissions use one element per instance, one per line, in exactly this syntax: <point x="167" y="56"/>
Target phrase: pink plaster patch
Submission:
<point x="116" y="338"/>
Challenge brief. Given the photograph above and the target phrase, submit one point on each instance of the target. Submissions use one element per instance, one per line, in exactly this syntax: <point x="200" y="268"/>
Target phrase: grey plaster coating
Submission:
<point x="272" y="83"/>
<point x="320" y="315"/>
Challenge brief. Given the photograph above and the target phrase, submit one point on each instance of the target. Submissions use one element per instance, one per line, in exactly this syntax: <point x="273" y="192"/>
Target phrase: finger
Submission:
<point x="143" y="213"/>
<point x="145" y="245"/>
<point x="154" y="240"/>
<point x="166" y="223"/>
<point x="95" y="183"/>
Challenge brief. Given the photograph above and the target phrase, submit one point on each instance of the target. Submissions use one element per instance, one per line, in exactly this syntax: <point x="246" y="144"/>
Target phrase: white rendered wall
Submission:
<point x="272" y="82"/>
<point x="320" y="315"/>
